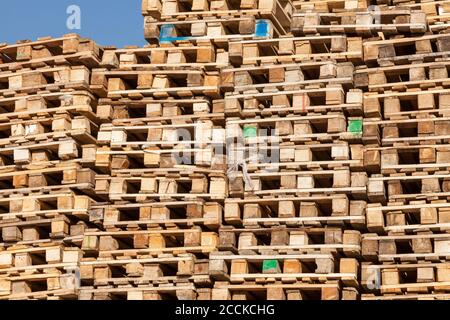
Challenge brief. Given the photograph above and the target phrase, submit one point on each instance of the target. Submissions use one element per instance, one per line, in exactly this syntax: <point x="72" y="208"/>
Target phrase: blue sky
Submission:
<point x="109" y="22"/>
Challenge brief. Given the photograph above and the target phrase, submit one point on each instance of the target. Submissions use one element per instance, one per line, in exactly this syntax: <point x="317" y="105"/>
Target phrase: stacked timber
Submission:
<point x="254" y="149"/>
<point x="406" y="249"/>
<point x="297" y="186"/>
<point x="216" y="20"/>
<point x="330" y="6"/>
<point x="162" y="143"/>
<point x="48" y="127"/>
<point x="437" y="12"/>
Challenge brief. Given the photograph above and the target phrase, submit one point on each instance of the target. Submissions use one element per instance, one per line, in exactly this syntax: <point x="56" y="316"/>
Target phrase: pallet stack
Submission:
<point x="47" y="152"/>
<point x="407" y="246"/>
<point x="268" y="149"/>
<point x="297" y="184"/>
<point x="216" y="20"/>
<point x="162" y="142"/>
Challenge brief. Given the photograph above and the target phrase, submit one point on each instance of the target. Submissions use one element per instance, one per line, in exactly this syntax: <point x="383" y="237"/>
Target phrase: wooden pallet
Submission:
<point x="365" y="22"/>
<point x="290" y="240"/>
<point x="330" y="5"/>
<point x="48" y="51"/>
<point x="147" y="215"/>
<point x="298" y="210"/>
<point x="279" y="291"/>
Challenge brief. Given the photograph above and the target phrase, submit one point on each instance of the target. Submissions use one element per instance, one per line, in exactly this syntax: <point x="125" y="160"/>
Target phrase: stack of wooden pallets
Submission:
<point x="216" y="20"/>
<point x="48" y="145"/>
<point x="296" y="179"/>
<point x="268" y="149"/>
<point x="162" y="142"/>
<point x="406" y="101"/>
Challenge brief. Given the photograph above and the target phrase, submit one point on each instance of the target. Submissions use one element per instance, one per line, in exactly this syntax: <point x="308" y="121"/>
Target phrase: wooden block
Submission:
<point x="218" y="187"/>
<point x="340" y="206"/>
<point x="340" y="152"/>
<point x="219" y="269"/>
<point x="134" y="269"/>
<point x="192" y="238"/>
<point x="369" y="247"/>
<point x="324" y="265"/>
<point x="305" y="182"/>
<point x="334" y="95"/>
<point x="430" y="185"/>
<point x="330" y="293"/>
<point x="372" y="107"/>
<point x="227" y="238"/>
<point x="30" y="234"/>
<point x="116" y="84"/>
<point x="22" y="156"/>
<point x="441" y="246"/>
<point x="286" y="209"/>
<point x="279" y="237"/>
<point x="37" y="180"/>
<point x="427" y="155"/>
<point x="374" y="220"/>
<point x="6" y="260"/>
<point x="303" y="155"/>
<point x="349" y="265"/>
<point x="353" y="238"/>
<point x="11" y="234"/>
<point x="309" y="209"/>
<point x="283" y="128"/>
<point x="90" y="243"/>
<point x="292" y="266"/>
<point x="339" y="44"/>
<point x="288" y="182"/>
<point x="71" y="256"/>
<point x="239" y="266"/>
<point x="140" y="241"/>
<point x="443" y="273"/>
<point x="31" y="204"/>
<point x="333" y="236"/>
<point x="80" y="74"/>
<point x="67" y="150"/>
<point x="444" y="101"/>
<point x="390" y="277"/>
<point x="86" y="176"/>
<point x="232" y="213"/>
<point x="275" y="293"/>
<point x="271" y="267"/>
<point x="428" y="215"/>
<point x="108" y="243"/>
<point x="220" y="294"/>
<point x="443" y="44"/>
<point x="298" y="238"/>
<point x="425" y="275"/>
<point x="350" y="294"/>
<point x="186" y="294"/>
<point x="252" y="210"/>
<point x="336" y="125"/>
<point x="135" y="295"/>
<point x="247" y="239"/>
<point x="23" y="53"/>
<point x="20" y="181"/>
<point x="160" y="213"/>
<point x="20" y="287"/>
<point x="60" y="228"/>
<point x="444" y="216"/>
<point x="341" y="178"/>
<point x="209" y="241"/>
<point x="101" y="273"/>
<point x="395" y="218"/>
<point x="294" y="295"/>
